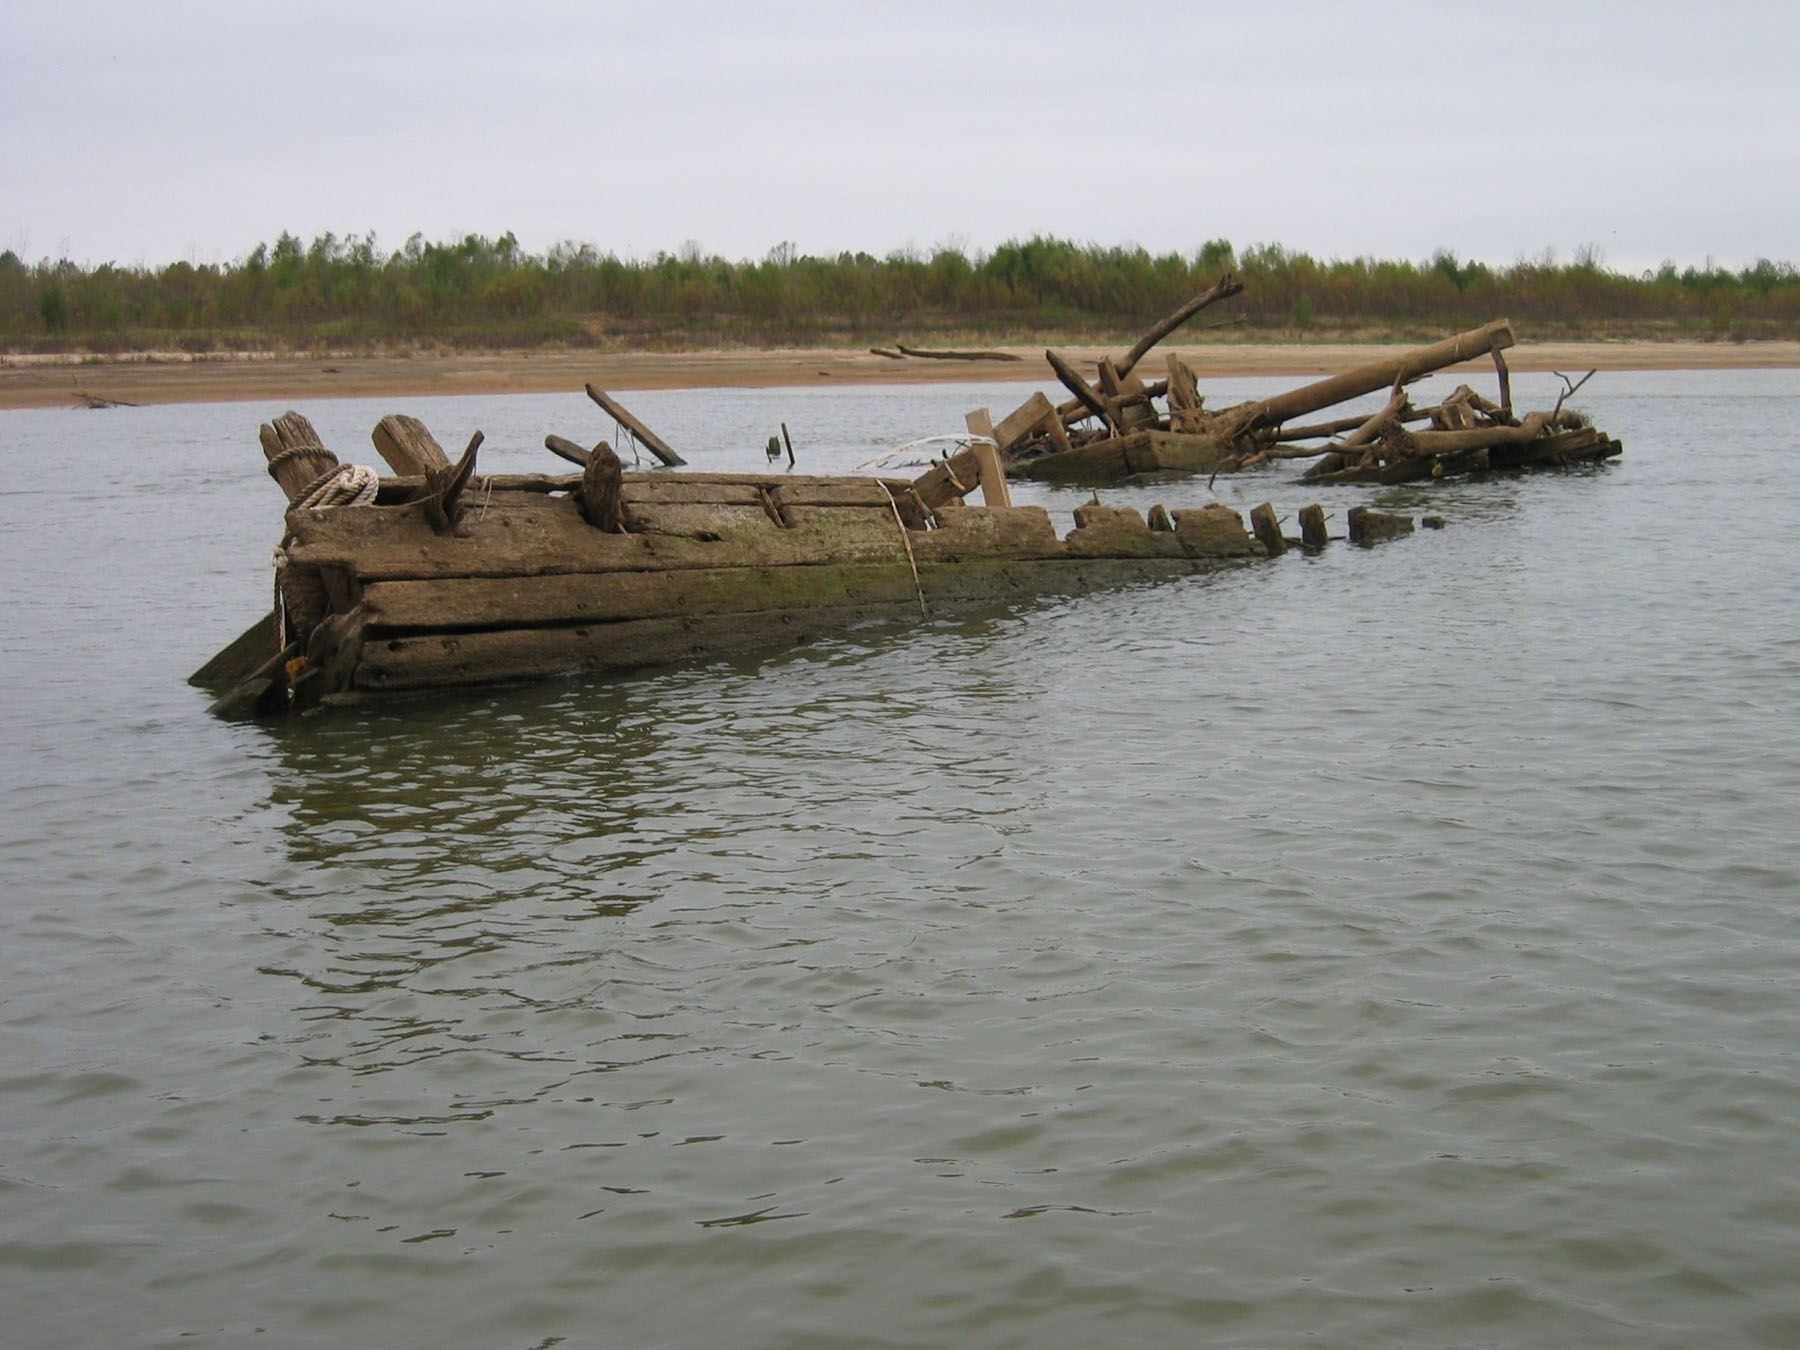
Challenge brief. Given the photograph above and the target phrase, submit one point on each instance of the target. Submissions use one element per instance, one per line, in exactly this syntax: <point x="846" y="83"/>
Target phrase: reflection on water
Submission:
<point x="1385" y="947"/>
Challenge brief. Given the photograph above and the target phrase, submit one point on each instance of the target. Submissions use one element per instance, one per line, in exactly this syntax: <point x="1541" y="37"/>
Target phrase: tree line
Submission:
<point x="345" y="292"/>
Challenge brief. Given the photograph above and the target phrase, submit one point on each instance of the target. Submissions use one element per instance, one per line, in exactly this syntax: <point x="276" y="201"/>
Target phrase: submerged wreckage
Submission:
<point x="435" y="577"/>
<point x="1119" y="427"/>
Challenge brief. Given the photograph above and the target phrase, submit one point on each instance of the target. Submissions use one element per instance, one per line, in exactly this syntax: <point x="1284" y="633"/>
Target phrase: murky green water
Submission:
<point x="1385" y="948"/>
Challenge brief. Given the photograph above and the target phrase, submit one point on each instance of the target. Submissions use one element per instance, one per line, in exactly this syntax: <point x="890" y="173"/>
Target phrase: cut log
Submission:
<point x="1367" y="379"/>
<point x="407" y="446"/>
<point x="644" y="436"/>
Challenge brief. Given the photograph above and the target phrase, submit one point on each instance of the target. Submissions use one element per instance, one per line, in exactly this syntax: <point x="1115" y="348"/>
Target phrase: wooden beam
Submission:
<point x="646" y="437"/>
<point x="1084" y="392"/>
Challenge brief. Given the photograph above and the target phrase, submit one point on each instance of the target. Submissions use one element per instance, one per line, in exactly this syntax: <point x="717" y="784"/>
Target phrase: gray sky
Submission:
<point x="146" y="132"/>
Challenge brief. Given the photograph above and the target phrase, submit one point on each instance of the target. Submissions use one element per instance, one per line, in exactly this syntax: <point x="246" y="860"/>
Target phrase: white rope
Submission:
<point x="347" y="485"/>
<point x="888" y="458"/>
<point x="907" y="544"/>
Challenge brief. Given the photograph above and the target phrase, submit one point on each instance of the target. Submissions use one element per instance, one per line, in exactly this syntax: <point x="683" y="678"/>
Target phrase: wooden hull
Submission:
<point x="712" y="565"/>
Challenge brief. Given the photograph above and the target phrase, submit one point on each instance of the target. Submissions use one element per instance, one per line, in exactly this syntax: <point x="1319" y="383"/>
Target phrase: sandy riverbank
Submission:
<point x="42" y="383"/>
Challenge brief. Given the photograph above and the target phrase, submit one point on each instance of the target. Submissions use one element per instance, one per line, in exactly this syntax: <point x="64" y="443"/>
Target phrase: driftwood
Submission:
<point x="1224" y="288"/>
<point x="641" y="433"/>
<point x="948" y="354"/>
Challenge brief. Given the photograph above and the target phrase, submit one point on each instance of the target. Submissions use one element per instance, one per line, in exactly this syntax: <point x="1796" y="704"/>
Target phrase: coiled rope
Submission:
<point x="344" y="485"/>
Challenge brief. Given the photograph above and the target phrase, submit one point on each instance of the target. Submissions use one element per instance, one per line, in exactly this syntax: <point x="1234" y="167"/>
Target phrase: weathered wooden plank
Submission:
<point x="1374" y="527"/>
<point x="1034" y="414"/>
<point x="457" y="603"/>
<point x="966" y="532"/>
<point x="427" y="660"/>
<point x="948" y="481"/>
<point x="837" y="492"/>
<point x="536" y="536"/>
<point x="251" y="649"/>
<point x="1094" y="462"/>
<point x="648" y="438"/>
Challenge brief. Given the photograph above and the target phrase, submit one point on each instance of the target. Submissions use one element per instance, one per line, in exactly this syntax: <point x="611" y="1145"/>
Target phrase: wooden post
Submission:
<point x="993" y="476"/>
<point x="296" y="458"/>
<point x="1312" y="527"/>
<point x="603" y="491"/>
<point x="410" y="450"/>
<point x="648" y="438"/>
<point x="444" y="488"/>
<point x="1268" y="530"/>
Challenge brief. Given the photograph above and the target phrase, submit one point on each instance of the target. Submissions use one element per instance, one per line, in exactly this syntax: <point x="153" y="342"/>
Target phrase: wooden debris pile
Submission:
<point x="1119" y="426"/>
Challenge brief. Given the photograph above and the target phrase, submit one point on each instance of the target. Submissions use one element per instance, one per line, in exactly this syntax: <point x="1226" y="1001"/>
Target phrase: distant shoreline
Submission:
<point x="40" y="382"/>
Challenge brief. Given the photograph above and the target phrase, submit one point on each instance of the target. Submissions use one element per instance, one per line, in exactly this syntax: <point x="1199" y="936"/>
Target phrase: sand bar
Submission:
<point x="40" y="382"/>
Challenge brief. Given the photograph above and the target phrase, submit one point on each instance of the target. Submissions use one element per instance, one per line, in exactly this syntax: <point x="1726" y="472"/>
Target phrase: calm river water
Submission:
<point x="1386" y="948"/>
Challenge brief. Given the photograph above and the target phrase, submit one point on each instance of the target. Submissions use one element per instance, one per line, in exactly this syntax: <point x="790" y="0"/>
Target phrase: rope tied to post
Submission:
<point x="345" y="485"/>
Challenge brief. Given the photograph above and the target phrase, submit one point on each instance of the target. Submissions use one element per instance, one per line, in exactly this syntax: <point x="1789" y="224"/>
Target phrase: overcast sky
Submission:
<point x="145" y="132"/>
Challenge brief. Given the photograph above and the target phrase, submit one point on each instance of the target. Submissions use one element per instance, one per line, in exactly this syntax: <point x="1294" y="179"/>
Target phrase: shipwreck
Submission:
<point x="433" y="576"/>
<point x="1117" y="426"/>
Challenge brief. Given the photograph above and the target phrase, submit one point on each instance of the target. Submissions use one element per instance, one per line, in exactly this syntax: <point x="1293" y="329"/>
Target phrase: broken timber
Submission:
<point x="405" y="585"/>
<point x="1112" y="428"/>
